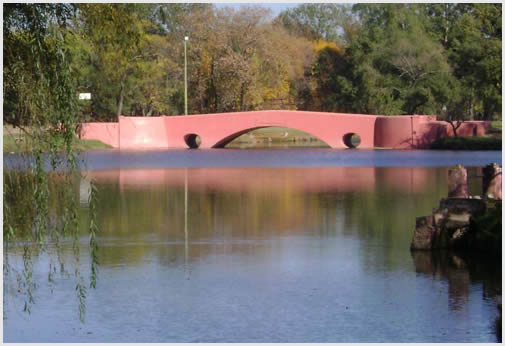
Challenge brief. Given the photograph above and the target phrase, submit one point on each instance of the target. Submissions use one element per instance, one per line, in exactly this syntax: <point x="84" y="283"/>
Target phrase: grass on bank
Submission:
<point x="275" y="137"/>
<point x="273" y="132"/>
<point x="17" y="142"/>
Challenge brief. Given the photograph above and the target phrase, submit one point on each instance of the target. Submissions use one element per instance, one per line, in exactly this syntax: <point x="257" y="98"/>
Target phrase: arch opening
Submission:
<point x="352" y="140"/>
<point x="270" y="137"/>
<point x="192" y="140"/>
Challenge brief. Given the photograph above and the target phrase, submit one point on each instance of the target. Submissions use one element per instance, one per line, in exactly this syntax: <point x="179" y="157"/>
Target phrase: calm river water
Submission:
<point x="277" y="246"/>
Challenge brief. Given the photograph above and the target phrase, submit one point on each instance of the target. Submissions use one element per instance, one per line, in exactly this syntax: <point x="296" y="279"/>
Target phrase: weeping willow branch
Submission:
<point x="40" y="96"/>
<point x="93" y="230"/>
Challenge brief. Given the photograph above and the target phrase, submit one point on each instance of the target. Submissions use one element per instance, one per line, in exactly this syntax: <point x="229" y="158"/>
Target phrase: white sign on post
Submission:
<point x="85" y="96"/>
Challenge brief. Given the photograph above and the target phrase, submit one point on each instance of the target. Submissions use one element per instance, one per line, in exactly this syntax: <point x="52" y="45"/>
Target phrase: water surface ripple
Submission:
<point x="278" y="246"/>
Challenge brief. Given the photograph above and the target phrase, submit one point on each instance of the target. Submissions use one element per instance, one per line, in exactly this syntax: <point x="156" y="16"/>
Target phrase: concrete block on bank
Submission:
<point x="492" y="181"/>
<point x="456" y="220"/>
<point x="439" y="216"/>
<point x="458" y="183"/>
<point x="471" y="205"/>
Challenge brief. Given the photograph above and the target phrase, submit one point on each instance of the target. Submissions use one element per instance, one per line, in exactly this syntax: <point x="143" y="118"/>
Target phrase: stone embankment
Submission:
<point x="462" y="222"/>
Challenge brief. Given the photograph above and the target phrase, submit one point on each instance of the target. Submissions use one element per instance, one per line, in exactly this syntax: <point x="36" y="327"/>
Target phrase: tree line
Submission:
<point x="390" y="59"/>
<point x="442" y="59"/>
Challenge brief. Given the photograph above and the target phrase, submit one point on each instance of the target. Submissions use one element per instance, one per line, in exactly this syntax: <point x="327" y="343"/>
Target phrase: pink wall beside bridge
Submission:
<point x="216" y="130"/>
<point x="108" y="133"/>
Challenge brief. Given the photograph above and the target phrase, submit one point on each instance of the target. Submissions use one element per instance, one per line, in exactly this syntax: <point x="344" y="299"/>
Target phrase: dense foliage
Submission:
<point x="442" y="59"/>
<point x="467" y="143"/>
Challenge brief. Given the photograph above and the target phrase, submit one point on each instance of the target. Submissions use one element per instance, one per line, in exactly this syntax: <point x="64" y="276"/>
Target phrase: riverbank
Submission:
<point x="468" y="143"/>
<point x="15" y="141"/>
<point x="463" y="222"/>
<point x="466" y="226"/>
<point x="491" y="141"/>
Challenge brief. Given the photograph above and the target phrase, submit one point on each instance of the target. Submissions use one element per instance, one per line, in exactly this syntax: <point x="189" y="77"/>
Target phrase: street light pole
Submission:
<point x="185" y="78"/>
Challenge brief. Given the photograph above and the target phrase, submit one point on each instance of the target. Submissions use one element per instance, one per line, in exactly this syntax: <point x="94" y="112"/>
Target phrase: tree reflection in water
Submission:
<point x="196" y="220"/>
<point x="461" y="271"/>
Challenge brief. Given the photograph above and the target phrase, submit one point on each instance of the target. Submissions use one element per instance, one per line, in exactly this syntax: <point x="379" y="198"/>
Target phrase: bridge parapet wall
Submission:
<point x="216" y="130"/>
<point x="142" y="132"/>
<point x="394" y="132"/>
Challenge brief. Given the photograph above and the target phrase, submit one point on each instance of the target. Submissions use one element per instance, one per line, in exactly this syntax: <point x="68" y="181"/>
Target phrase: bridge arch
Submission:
<point x="229" y="138"/>
<point x="216" y="130"/>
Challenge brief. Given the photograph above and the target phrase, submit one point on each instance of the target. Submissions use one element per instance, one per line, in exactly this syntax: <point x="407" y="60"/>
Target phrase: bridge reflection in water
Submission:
<point x="198" y="203"/>
<point x="320" y="179"/>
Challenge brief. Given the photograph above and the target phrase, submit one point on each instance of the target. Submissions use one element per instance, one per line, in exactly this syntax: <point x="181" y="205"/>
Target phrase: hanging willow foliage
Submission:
<point x="40" y="98"/>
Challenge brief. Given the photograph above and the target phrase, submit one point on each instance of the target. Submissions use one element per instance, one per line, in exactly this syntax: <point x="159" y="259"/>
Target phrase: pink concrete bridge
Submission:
<point x="217" y="130"/>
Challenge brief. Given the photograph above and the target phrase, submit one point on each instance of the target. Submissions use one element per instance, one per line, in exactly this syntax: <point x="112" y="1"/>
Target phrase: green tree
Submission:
<point x="469" y="56"/>
<point x="475" y="54"/>
<point x="239" y="61"/>
<point x="391" y="67"/>
<point x="34" y="62"/>
<point x="115" y="32"/>
<point x="316" y="21"/>
<point x="138" y="70"/>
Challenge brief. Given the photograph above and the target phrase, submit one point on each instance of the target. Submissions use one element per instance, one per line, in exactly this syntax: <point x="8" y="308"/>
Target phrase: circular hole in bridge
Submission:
<point x="352" y="140"/>
<point x="192" y="140"/>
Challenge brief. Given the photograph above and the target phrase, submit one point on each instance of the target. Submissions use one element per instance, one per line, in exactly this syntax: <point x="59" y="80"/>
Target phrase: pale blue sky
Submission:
<point x="275" y="7"/>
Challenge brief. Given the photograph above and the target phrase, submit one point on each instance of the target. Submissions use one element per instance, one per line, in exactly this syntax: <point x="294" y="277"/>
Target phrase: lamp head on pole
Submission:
<point x="186" y="38"/>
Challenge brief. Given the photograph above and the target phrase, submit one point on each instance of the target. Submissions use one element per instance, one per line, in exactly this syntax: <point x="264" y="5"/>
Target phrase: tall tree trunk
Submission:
<point x="216" y="99"/>
<point x="455" y="125"/>
<point x="242" y="96"/>
<point x="213" y="98"/>
<point x="120" y="100"/>
<point x="446" y="15"/>
<point x="471" y="105"/>
<point x="150" y="110"/>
